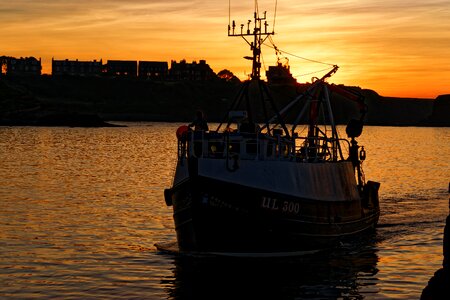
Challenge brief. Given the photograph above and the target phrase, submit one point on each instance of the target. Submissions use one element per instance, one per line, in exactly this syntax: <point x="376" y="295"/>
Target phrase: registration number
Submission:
<point x="285" y="206"/>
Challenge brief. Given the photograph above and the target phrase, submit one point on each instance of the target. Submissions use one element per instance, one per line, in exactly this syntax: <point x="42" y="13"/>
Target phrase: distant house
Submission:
<point x="280" y="74"/>
<point x="76" y="67"/>
<point x="21" y="66"/>
<point x="126" y="68"/>
<point x="191" y="71"/>
<point x="157" y="70"/>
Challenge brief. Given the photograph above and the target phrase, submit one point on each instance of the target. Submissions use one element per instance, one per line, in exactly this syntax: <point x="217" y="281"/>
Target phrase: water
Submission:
<point x="80" y="211"/>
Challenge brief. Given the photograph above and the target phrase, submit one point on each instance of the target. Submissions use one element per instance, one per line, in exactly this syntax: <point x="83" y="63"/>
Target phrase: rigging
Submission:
<point x="260" y="40"/>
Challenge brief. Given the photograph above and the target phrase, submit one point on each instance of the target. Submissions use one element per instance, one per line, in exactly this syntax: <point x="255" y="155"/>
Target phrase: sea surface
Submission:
<point x="81" y="210"/>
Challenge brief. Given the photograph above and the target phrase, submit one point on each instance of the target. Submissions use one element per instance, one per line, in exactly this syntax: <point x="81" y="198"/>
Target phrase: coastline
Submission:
<point x="95" y="101"/>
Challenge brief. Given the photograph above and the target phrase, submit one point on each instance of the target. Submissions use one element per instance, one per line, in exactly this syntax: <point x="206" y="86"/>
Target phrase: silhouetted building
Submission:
<point x="191" y="71"/>
<point x="280" y="74"/>
<point x="127" y="68"/>
<point x="76" y="67"/>
<point x="3" y="63"/>
<point x="21" y="66"/>
<point x="157" y="70"/>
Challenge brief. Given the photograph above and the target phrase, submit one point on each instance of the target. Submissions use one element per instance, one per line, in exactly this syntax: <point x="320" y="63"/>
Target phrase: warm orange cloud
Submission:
<point x="397" y="47"/>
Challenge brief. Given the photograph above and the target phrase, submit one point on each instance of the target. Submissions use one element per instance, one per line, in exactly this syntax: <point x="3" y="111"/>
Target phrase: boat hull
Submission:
<point x="218" y="216"/>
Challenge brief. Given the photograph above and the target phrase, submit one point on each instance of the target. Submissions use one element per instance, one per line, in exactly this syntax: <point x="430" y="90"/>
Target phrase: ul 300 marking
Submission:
<point x="277" y="205"/>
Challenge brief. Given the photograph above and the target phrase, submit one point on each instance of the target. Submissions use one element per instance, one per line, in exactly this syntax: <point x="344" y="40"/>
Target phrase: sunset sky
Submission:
<point x="397" y="47"/>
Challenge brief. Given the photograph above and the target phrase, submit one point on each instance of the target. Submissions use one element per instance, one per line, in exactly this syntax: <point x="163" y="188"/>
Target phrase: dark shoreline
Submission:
<point x="94" y="101"/>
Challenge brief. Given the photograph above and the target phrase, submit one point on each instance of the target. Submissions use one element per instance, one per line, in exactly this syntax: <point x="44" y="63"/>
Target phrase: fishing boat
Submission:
<point x="268" y="187"/>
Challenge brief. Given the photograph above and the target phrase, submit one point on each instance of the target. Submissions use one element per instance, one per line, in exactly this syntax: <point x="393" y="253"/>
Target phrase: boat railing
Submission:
<point x="319" y="148"/>
<point x="253" y="146"/>
<point x="246" y="146"/>
<point x="200" y="144"/>
<point x="279" y="147"/>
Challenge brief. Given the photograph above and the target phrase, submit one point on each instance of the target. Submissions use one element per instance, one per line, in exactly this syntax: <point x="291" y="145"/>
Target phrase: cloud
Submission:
<point x="365" y="37"/>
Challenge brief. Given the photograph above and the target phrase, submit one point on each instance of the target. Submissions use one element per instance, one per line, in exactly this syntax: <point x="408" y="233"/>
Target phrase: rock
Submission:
<point x="439" y="285"/>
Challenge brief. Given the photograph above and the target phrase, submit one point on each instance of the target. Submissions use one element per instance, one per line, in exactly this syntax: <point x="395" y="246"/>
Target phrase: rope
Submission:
<point x="319" y="71"/>
<point x="300" y="57"/>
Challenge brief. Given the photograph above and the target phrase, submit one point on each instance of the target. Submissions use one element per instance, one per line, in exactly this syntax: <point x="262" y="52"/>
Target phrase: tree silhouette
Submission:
<point x="227" y="75"/>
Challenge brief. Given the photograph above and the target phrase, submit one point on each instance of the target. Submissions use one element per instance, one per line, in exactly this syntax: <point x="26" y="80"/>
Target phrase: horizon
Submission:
<point x="396" y="50"/>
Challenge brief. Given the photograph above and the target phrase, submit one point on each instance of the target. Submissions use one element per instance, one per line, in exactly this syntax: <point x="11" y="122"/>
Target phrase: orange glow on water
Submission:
<point x="81" y="209"/>
<point x="394" y="49"/>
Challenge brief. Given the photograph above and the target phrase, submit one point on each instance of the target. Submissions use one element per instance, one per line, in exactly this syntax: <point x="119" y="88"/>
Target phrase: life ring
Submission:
<point x="182" y="131"/>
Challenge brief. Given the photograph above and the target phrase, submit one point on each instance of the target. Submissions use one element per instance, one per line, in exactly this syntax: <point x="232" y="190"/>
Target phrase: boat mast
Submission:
<point x="255" y="39"/>
<point x="258" y="35"/>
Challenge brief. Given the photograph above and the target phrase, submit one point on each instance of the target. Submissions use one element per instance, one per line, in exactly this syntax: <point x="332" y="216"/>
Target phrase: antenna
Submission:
<point x="229" y="15"/>
<point x="259" y="36"/>
<point x="275" y="15"/>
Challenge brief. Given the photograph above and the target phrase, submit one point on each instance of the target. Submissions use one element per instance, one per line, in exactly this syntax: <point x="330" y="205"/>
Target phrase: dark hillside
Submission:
<point x="441" y="112"/>
<point x="126" y="99"/>
<point x="30" y="98"/>
<point x="399" y="111"/>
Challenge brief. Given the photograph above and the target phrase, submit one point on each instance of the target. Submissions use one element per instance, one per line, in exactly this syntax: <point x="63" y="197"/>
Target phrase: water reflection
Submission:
<point x="345" y="272"/>
<point x="80" y="210"/>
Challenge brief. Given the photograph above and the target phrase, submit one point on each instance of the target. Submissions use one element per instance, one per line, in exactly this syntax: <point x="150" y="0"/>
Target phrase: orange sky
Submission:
<point x="398" y="47"/>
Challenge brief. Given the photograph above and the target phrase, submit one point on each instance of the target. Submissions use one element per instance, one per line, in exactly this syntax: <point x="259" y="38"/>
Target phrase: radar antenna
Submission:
<point x="259" y="34"/>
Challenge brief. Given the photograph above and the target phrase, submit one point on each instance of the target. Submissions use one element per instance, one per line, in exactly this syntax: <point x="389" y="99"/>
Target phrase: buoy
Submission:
<point x="182" y="130"/>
